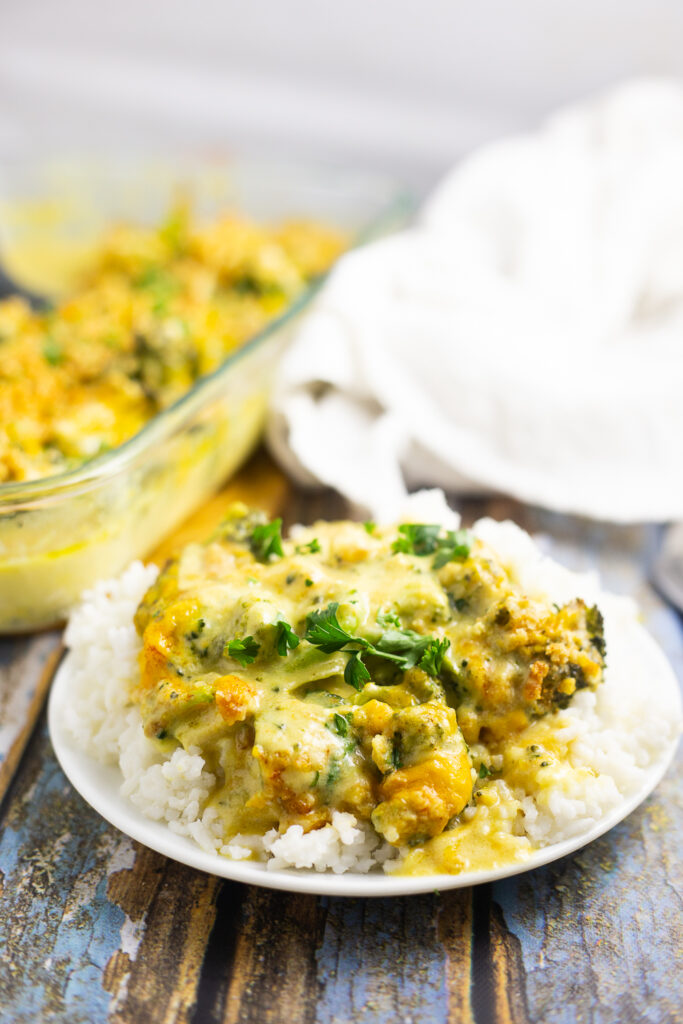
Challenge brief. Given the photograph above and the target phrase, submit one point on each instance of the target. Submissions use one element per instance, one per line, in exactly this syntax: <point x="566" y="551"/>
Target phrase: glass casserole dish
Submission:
<point x="61" y="533"/>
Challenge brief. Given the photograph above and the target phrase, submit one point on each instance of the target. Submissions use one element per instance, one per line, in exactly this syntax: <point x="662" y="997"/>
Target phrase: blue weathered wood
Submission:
<point x="382" y="961"/>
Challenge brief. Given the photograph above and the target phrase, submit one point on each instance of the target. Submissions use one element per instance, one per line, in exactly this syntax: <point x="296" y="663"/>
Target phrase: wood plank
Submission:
<point x="382" y="961"/>
<point x="273" y="978"/>
<point x="455" y="930"/>
<point x="26" y="667"/>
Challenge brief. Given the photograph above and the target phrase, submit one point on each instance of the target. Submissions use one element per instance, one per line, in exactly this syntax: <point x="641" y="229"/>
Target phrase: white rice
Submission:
<point x="613" y="735"/>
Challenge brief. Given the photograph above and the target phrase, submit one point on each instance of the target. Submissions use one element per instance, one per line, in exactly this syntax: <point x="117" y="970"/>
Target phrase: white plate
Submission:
<point x="99" y="786"/>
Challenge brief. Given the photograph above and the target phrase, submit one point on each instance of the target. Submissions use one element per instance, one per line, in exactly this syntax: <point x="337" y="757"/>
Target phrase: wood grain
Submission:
<point x="26" y="668"/>
<point x="455" y="930"/>
<point x="274" y="972"/>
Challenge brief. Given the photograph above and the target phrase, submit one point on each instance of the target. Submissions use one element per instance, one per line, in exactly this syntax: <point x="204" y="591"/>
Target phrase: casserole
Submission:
<point x="61" y="533"/>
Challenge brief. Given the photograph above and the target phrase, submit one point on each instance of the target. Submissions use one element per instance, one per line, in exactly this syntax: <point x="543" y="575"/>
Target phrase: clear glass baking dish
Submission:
<point x="60" y="534"/>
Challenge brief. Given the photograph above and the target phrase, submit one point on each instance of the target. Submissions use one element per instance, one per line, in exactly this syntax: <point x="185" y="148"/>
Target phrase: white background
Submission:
<point x="398" y="85"/>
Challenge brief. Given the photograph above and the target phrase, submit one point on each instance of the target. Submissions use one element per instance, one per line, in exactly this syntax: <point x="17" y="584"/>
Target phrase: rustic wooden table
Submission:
<point x="95" y="927"/>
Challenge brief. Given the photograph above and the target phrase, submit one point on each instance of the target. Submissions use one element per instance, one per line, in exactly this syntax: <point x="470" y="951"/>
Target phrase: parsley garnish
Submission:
<point x="417" y="538"/>
<point x="369" y="526"/>
<point x="243" y="650"/>
<point x="285" y="638"/>
<point x="266" y="540"/>
<point x="312" y="548"/>
<point x="355" y="673"/>
<point x="484" y="772"/>
<point x="402" y="646"/>
<point x="423" y="539"/>
<point x="432" y="658"/>
<point x="324" y="631"/>
<point x="454" y="547"/>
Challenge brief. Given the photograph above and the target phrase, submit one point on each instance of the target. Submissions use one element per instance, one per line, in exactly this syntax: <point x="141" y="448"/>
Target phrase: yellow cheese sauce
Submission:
<point x="399" y="673"/>
<point x="147" y="312"/>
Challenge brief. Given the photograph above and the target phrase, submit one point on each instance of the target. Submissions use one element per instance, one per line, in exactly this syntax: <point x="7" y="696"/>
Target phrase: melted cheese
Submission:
<point x="290" y="740"/>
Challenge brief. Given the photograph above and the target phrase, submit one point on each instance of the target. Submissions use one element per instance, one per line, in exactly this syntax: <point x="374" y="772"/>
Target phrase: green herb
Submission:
<point x="315" y="779"/>
<point x="324" y="631"/>
<point x="312" y="548"/>
<point x="402" y="646"/>
<point x="423" y="539"/>
<point x="308" y="582"/>
<point x="355" y="673"/>
<point x="369" y="526"/>
<point x="266" y="540"/>
<point x="412" y="649"/>
<point x="340" y="724"/>
<point x="454" y="547"/>
<point x="243" y="649"/>
<point x="433" y="656"/>
<point x="417" y="538"/>
<point x="285" y="638"/>
<point x="484" y="772"/>
<point x="52" y="351"/>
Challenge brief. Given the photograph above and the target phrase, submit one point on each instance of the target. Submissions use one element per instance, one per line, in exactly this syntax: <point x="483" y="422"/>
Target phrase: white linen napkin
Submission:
<point x="526" y="336"/>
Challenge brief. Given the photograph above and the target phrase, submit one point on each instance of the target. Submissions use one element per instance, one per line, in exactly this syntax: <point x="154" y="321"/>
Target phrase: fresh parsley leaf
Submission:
<point x="243" y="650"/>
<point x="369" y="526"/>
<point x="484" y="772"/>
<point x="417" y="538"/>
<point x="308" y="582"/>
<point x="403" y="645"/>
<point x="324" y="631"/>
<point x="454" y="547"/>
<point x="266" y="540"/>
<point x="355" y="673"/>
<point x="312" y="548"/>
<point x="340" y="724"/>
<point x="285" y="638"/>
<point x="433" y="656"/>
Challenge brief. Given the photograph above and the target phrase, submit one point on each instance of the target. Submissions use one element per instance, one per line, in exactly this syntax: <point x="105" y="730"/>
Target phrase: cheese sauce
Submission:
<point x="399" y="673"/>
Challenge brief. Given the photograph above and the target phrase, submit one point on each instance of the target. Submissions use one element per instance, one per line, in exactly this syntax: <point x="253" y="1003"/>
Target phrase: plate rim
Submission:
<point x="99" y="785"/>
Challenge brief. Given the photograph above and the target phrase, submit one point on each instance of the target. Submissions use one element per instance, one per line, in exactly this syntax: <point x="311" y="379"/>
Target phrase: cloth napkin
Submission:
<point x="525" y="336"/>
